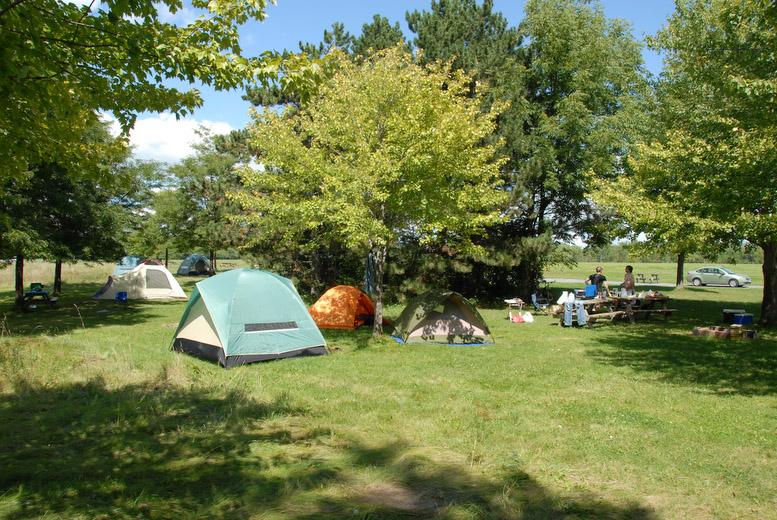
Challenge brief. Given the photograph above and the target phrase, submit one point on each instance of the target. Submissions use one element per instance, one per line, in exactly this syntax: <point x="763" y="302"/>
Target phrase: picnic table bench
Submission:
<point x="611" y="315"/>
<point x="633" y="306"/>
<point x="642" y="278"/>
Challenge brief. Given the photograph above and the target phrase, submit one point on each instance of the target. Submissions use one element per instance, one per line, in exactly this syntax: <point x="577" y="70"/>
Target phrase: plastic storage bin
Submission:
<point x="728" y="314"/>
<point x="743" y="319"/>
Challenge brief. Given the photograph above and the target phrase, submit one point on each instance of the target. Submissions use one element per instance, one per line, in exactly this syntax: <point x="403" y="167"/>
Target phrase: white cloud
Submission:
<point x="164" y="138"/>
<point x="183" y="16"/>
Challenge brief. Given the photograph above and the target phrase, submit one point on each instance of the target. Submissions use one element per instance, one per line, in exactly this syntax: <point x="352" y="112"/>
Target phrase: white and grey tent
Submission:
<point x="145" y="282"/>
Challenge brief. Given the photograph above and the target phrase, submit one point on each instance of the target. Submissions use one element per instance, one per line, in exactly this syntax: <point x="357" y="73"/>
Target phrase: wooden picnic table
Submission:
<point x="626" y="307"/>
<point x="633" y="306"/>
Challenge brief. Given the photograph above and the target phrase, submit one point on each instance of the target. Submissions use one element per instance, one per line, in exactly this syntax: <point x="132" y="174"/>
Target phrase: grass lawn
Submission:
<point x="666" y="272"/>
<point x="99" y="419"/>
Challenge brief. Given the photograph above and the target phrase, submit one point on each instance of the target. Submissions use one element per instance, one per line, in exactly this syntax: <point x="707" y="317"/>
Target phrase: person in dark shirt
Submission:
<point x="599" y="280"/>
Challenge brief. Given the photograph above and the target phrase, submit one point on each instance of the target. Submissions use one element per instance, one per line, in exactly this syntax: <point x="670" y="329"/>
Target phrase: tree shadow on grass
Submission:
<point x="162" y="451"/>
<point x="668" y="349"/>
<point x="351" y="340"/>
<point x="665" y="347"/>
<point x="721" y="366"/>
<point x="416" y="486"/>
<point x="75" y="310"/>
<point x="140" y="451"/>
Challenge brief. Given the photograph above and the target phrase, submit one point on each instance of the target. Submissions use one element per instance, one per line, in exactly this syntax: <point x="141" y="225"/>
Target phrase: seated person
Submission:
<point x="600" y="281"/>
<point x="628" y="281"/>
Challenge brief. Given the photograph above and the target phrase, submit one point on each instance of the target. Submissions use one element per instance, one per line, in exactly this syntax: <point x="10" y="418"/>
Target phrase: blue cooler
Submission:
<point x="590" y="291"/>
<point x="743" y="319"/>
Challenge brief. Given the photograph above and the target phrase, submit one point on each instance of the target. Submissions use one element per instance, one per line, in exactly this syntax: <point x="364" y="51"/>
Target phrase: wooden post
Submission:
<point x="58" y="278"/>
<point x="19" y="273"/>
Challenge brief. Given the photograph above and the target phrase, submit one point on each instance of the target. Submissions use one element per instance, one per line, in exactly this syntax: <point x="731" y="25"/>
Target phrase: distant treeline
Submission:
<point x="627" y="252"/>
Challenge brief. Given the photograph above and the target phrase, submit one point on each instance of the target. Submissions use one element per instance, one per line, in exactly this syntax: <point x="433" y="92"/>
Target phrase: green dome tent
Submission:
<point x="194" y="264"/>
<point x="442" y="317"/>
<point x="247" y="315"/>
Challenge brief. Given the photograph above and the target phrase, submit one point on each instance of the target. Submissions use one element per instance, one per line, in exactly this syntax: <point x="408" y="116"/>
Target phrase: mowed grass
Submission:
<point x="666" y="271"/>
<point x="99" y="419"/>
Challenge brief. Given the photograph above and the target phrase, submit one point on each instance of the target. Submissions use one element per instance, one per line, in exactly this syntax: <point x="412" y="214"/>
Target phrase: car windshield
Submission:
<point x="727" y="271"/>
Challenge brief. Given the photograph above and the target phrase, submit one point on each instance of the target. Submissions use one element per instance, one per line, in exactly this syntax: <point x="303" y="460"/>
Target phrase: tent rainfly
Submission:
<point x="145" y="282"/>
<point x="246" y="315"/>
<point x="194" y="264"/>
<point x="442" y="317"/>
<point x="342" y="307"/>
<point x="127" y="264"/>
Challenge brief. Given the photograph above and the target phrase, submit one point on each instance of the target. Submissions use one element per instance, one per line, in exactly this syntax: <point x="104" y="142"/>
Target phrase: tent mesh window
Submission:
<point x="156" y="280"/>
<point x="263" y="327"/>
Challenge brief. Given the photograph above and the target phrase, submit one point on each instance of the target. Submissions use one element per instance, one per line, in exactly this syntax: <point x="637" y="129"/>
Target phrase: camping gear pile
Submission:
<point x="733" y="332"/>
<point x="573" y="309"/>
<point x="519" y="316"/>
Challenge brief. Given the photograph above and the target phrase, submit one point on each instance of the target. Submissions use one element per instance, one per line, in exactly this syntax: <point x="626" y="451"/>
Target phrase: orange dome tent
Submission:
<point x="342" y="307"/>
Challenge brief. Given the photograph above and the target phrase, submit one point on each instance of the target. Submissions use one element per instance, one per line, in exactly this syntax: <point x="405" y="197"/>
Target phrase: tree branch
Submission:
<point x="16" y="3"/>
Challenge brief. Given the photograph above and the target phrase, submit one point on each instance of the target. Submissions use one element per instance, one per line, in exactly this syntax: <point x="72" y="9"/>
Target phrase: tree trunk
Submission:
<point x="19" y="279"/>
<point x="212" y="269"/>
<point x="58" y="278"/>
<point x="769" y="302"/>
<point x="680" y="267"/>
<point x="379" y="259"/>
<point x="167" y="256"/>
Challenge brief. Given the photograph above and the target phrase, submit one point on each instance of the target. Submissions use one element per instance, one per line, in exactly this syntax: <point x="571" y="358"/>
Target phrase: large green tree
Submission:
<point x="59" y="63"/>
<point x="711" y="169"/>
<point x="62" y="216"/>
<point x="571" y="76"/>
<point x="195" y="213"/>
<point x="376" y="35"/>
<point x="385" y="148"/>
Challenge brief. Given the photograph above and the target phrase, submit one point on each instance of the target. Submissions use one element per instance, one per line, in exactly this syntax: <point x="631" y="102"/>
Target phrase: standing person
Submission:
<point x="600" y="281"/>
<point x="628" y="281"/>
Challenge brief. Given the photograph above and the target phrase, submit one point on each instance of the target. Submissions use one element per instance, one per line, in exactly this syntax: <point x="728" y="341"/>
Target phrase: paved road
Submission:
<point x="578" y="281"/>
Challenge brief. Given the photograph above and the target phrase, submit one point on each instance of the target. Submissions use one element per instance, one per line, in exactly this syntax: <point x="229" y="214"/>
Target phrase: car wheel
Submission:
<point x="733" y="283"/>
<point x="696" y="282"/>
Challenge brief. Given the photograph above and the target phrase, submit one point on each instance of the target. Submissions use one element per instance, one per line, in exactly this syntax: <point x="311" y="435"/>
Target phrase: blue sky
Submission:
<point x="291" y="21"/>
